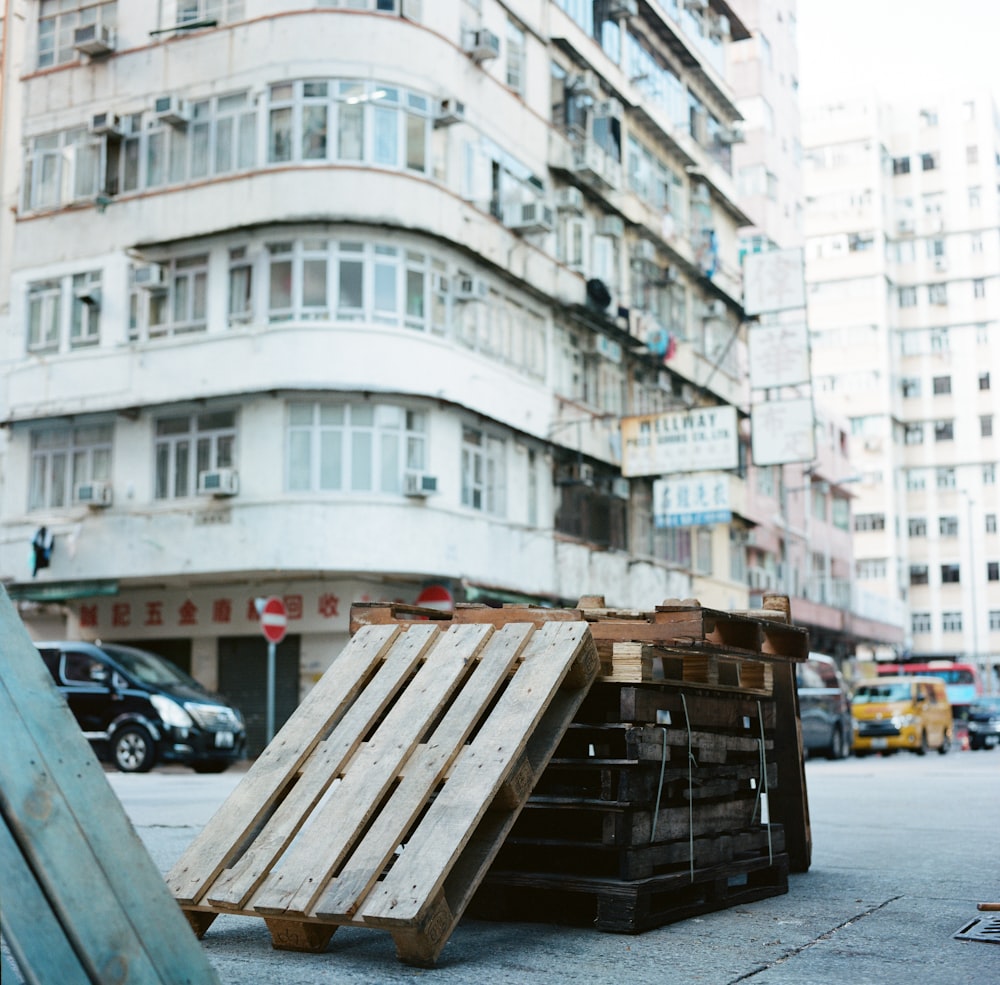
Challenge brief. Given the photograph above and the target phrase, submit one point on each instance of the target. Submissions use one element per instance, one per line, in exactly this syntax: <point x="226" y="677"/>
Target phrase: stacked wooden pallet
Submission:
<point x="679" y="786"/>
<point x="383" y="800"/>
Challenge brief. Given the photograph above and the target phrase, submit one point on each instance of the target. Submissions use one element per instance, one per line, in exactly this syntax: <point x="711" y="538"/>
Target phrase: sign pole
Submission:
<point x="270" y="690"/>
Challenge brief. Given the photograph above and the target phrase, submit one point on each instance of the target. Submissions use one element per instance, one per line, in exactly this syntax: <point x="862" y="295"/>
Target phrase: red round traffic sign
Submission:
<point x="273" y="620"/>
<point x="436" y="597"/>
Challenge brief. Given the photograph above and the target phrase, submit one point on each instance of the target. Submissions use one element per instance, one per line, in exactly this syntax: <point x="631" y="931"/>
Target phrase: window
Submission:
<point x="916" y="479"/>
<point x="918" y="574"/>
<point x="907" y="297"/>
<point x="920" y="622"/>
<point x="871" y="569"/>
<point x="929" y="162"/>
<point x="900" y="165"/>
<point x="85" y="310"/>
<point x="354" y="448"/>
<point x="917" y="526"/>
<point x="937" y="293"/>
<point x="240" y="301"/>
<point x="913" y="434"/>
<point x="942" y="384"/>
<point x="994" y="619"/>
<point x="515" y="57"/>
<point x="950" y="574"/>
<point x="944" y="478"/>
<point x="61" y="168"/>
<point x="63" y="457"/>
<point x="869" y="521"/>
<point x="944" y="430"/>
<point x="951" y="622"/>
<point x="989" y="473"/>
<point x="975" y="198"/>
<point x="984" y="381"/>
<point x="948" y="526"/>
<point x="986" y="426"/>
<point x="979" y="288"/>
<point x="57" y="21"/>
<point x="993" y="570"/>
<point x="219" y="10"/>
<point x="702" y="560"/>
<point x="44" y="315"/>
<point x="972" y="154"/>
<point x="991" y="523"/>
<point x="910" y="385"/>
<point x="841" y="513"/>
<point x="187" y="445"/>
<point x="483" y="472"/>
<point x="174" y="303"/>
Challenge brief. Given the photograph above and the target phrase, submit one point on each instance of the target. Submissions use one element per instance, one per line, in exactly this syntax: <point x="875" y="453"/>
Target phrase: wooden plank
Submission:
<point x="37" y="940"/>
<point x="314" y="778"/>
<point x="249" y="805"/>
<point x="307" y="866"/>
<point x="75" y="837"/>
<point x="422" y="775"/>
<point x="413" y="885"/>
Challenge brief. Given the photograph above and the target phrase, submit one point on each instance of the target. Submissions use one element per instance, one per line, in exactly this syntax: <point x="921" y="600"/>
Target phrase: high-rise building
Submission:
<point x="340" y="301"/>
<point x="903" y="268"/>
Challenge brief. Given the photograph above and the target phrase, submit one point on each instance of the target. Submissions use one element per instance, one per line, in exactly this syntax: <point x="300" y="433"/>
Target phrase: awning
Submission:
<point x="58" y="591"/>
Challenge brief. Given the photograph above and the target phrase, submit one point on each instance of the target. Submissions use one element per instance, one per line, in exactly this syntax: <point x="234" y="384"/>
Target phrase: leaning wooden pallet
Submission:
<point x="386" y="795"/>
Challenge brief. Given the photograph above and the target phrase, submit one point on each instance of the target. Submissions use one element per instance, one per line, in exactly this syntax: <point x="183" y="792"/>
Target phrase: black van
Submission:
<point x="138" y="709"/>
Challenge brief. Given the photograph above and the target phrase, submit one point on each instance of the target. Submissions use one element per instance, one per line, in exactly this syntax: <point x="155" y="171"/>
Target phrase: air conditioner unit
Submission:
<point x="419" y="485"/>
<point x="941" y="263"/>
<point x="89" y="294"/>
<point x="529" y="217"/>
<point x="701" y="194"/>
<point x="172" y="110"/>
<point x="218" y="482"/>
<point x="715" y="309"/>
<point x="584" y="84"/>
<point x="591" y="164"/>
<point x="570" y="200"/>
<point x="96" y="494"/>
<point x="873" y="444"/>
<point x="449" y="111"/>
<point x="471" y="289"/>
<point x="94" y="39"/>
<point x="620" y="487"/>
<point x="611" y="225"/>
<point x="150" y="276"/>
<point x="609" y="109"/>
<point x="733" y="134"/>
<point x="482" y="45"/>
<point x="105" y="125"/>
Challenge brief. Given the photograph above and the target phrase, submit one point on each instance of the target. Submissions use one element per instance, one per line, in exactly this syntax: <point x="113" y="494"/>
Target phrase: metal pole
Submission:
<point x="270" y="691"/>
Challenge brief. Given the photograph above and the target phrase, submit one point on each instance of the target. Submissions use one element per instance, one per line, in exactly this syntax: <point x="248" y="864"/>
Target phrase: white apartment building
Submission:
<point x="903" y="268"/>
<point x="338" y="300"/>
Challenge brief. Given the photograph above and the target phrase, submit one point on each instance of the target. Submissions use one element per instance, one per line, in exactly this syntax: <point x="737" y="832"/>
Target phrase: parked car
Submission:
<point x="893" y="713"/>
<point x="983" y="720"/>
<point x="138" y="709"/>
<point x="825" y="707"/>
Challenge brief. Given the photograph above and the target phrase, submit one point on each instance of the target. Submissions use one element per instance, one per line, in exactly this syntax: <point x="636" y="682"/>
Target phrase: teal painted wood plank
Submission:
<point x="75" y="836"/>
<point x="36" y="938"/>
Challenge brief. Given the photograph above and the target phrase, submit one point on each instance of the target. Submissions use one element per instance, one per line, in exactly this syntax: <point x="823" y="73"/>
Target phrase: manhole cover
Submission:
<point x="981" y="929"/>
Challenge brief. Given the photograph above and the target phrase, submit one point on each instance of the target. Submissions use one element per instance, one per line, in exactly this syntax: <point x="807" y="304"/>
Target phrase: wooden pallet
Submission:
<point x="618" y="906"/>
<point x="384" y="798"/>
<point x="707" y="666"/>
<point x="83" y="901"/>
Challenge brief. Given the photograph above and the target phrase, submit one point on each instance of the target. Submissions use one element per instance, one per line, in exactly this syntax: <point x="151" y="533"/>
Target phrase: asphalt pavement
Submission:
<point x="904" y="848"/>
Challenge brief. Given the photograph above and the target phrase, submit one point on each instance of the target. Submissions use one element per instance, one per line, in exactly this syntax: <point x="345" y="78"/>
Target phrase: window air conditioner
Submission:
<point x="172" y="110"/>
<point x="611" y="225"/>
<point x="609" y="109"/>
<point x="732" y="134"/>
<point x="482" y="45"/>
<point x="94" y="39"/>
<point x="570" y="200"/>
<point x="620" y="487"/>
<point x="105" y="125"/>
<point x="419" y="485"/>
<point x="584" y="84"/>
<point x="449" y="111"/>
<point x="471" y="289"/>
<point x="528" y="217"/>
<point x="89" y="294"/>
<point x="150" y="276"/>
<point x="96" y="494"/>
<point x="701" y="194"/>
<point x="218" y="482"/>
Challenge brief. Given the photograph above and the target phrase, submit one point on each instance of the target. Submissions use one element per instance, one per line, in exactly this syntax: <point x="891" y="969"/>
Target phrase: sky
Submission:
<point x="894" y="47"/>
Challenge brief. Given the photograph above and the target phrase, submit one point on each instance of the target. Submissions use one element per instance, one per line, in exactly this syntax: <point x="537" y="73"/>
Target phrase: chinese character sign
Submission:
<point x="691" y="501"/>
<point x="696" y="440"/>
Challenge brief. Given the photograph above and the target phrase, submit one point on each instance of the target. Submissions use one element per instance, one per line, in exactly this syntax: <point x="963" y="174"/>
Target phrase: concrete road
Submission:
<point x="903" y="850"/>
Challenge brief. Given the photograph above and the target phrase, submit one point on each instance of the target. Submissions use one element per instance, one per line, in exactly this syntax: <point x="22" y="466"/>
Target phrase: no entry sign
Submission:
<point x="273" y="619"/>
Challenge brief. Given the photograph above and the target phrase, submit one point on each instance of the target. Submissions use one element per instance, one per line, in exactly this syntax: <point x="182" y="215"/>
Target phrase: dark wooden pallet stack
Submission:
<point x="679" y="787"/>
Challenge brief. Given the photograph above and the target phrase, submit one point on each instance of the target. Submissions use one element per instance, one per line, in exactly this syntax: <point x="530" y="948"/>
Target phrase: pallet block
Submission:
<point x="83" y="901"/>
<point x="384" y="798"/>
